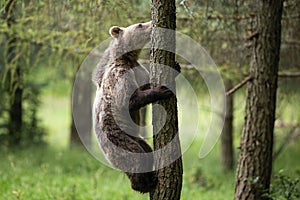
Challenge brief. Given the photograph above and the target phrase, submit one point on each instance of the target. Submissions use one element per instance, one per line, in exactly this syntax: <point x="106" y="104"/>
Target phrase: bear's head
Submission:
<point x="130" y="39"/>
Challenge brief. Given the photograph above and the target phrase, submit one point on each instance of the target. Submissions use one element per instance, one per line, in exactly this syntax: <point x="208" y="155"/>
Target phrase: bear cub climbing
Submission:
<point x="122" y="89"/>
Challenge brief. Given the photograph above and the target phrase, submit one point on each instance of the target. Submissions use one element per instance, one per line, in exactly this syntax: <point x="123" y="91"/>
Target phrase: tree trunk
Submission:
<point x="255" y="161"/>
<point x="74" y="137"/>
<point x="16" y="108"/>
<point x="82" y="110"/>
<point x="227" y="153"/>
<point x="170" y="176"/>
<point x="142" y="121"/>
<point x="15" y="81"/>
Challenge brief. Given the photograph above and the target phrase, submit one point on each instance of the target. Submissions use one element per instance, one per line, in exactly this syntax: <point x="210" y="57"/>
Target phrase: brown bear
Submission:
<point x="118" y="98"/>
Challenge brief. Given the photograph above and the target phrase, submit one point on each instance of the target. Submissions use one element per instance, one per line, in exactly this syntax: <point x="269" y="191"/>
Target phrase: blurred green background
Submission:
<point x="43" y="43"/>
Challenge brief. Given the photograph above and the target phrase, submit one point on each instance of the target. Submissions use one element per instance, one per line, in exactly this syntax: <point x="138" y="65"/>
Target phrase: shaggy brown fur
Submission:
<point x="117" y="101"/>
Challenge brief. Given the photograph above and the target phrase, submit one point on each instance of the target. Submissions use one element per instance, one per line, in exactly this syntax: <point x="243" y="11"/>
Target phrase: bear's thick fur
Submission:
<point x="118" y="99"/>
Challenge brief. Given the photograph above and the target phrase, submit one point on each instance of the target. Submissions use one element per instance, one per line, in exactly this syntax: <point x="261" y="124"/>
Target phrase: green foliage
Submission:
<point x="53" y="37"/>
<point x="55" y="173"/>
<point x="46" y="173"/>
<point x="199" y="178"/>
<point x="49" y="34"/>
<point x="284" y="187"/>
<point x="32" y="132"/>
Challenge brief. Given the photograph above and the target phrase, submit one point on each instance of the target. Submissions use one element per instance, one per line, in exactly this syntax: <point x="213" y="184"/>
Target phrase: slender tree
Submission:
<point x="169" y="177"/>
<point x="255" y="161"/>
<point x="227" y="153"/>
<point x="81" y="106"/>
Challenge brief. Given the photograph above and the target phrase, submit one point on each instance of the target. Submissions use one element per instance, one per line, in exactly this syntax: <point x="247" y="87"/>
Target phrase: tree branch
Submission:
<point x="186" y="7"/>
<point x="293" y="134"/>
<point x="289" y="74"/>
<point x="239" y="85"/>
<point x="7" y="9"/>
<point x="253" y="35"/>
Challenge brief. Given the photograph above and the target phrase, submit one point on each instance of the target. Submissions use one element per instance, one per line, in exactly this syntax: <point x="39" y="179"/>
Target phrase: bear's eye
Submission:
<point x="140" y="26"/>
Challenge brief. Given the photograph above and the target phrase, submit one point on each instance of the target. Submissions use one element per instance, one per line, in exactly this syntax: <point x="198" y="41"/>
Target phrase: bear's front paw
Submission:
<point x="164" y="91"/>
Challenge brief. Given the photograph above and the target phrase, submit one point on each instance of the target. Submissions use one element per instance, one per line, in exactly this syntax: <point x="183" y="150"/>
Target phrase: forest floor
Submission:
<point x="49" y="173"/>
<point x="55" y="171"/>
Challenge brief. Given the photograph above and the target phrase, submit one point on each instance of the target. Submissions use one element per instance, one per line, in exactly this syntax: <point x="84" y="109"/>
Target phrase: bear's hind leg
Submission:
<point x="143" y="182"/>
<point x="142" y="161"/>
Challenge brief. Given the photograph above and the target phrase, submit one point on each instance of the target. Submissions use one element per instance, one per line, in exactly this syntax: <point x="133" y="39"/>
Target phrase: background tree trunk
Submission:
<point x="227" y="153"/>
<point x="142" y="121"/>
<point x="15" y="80"/>
<point x="82" y="110"/>
<point x="169" y="177"/>
<point x="255" y="161"/>
<point x="16" y="107"/>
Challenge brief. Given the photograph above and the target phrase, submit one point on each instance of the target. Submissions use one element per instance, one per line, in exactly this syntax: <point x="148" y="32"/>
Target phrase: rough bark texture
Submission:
<point x="227" y="153"/>
<point x="255" y="162"/>
<point x="169" y="177"/>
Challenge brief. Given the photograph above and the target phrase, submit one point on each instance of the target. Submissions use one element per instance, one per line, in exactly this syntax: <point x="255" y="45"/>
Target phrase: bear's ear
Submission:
<point x="115" y="31"/>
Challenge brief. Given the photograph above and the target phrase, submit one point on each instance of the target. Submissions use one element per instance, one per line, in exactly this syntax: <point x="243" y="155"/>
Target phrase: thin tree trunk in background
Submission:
<point x="255" y="161"/>
<point x="74" y="137"/>
<point x="227" y="152"/>
<point x="142" y="122"/>
<point x="82" y="110"/>
<point x="169" y="177"/>
<point x="16" y="108"/>
<point x="15" y="81"/>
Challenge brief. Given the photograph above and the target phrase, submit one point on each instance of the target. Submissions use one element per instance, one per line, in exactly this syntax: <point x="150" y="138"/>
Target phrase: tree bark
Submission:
<point x="255" y="161"/>
<point x="227" y="153"/>
<point x="170" y="176"/>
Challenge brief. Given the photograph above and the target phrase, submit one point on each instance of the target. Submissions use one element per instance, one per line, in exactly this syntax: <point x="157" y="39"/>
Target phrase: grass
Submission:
<point x="57" y="172"/>
<point x="47" y="173"/>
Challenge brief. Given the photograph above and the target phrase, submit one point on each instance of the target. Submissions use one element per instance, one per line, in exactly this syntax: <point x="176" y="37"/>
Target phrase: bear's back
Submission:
<point x="117" y="86"/>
